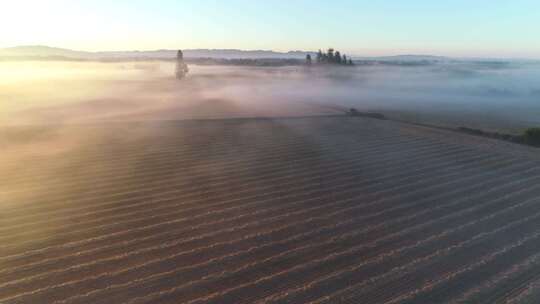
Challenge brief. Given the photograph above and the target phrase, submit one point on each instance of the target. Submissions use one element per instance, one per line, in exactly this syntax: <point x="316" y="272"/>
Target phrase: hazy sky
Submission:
<point x="496" y="28"/>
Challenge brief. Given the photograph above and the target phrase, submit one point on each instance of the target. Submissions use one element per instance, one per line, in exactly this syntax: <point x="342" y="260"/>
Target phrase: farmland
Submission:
<point x="328" y="209"/>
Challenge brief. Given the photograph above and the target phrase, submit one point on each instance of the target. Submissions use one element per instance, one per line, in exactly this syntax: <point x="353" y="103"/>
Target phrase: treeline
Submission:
<point x="330" y="57"/>
<point x="261" y="62"/>
<point x="529" y="137"/>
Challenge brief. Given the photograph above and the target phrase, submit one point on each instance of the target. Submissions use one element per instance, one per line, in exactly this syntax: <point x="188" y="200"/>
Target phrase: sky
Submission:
<point x="466" y="28"/>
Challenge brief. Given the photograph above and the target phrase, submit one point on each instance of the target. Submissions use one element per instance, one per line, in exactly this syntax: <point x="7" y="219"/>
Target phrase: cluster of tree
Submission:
<point x="330" y="57"/>
<point x="532" y="137"/>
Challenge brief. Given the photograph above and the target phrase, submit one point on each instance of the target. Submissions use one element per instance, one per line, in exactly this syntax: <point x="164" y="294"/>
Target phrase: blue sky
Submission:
<point x="496" y="28"/>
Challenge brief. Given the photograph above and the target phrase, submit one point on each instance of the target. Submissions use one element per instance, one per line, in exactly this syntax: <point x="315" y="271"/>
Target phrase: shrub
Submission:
<point x="355" y="112"/>
<point x="532" y="136"/>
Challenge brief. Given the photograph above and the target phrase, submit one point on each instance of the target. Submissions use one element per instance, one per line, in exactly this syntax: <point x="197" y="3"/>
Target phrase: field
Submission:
<point x="329" y="209"/>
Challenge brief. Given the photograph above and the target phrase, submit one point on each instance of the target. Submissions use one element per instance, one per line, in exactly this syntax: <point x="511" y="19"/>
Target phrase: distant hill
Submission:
<point x="410" y="58"/>
<point x="45" y="51"/>
<point x="42" y="51"/>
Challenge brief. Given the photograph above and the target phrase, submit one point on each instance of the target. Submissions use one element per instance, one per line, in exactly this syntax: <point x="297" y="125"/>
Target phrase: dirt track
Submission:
<point x="297" y="210"/>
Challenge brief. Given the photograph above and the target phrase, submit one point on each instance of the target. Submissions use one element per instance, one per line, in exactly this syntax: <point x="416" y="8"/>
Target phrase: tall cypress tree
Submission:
<point x="319" y="57"/>
<point x="330" y="55"/>
<point x="337" y="57"/>
<point x="181" y="67"/>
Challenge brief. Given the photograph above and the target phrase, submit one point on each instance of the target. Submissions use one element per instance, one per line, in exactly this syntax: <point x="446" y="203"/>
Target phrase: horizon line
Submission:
<point x="271" y="50"/>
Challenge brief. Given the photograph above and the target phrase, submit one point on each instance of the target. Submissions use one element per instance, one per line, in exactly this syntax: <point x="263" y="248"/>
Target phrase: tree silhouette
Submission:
<point x="320" y="57"/>
<point x="181" y="67"/>
<point x="330" y="55"/>
<point x="308" y="59"/>
<point x="337" y="57"/>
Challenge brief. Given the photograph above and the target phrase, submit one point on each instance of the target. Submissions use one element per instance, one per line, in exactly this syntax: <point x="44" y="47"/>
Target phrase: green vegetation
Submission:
<point x="355" y="112"/>
<point x="531" y="136"/>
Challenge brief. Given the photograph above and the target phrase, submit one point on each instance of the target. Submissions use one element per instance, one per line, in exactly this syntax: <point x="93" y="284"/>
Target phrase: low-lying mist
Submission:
<point x="52" y="114"/>
<point x="489" y="95"/>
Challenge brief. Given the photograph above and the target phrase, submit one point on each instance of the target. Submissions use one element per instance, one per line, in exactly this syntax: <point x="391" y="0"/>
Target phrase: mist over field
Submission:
<point x="488" y="95"/>
<point x="268" y="152"/>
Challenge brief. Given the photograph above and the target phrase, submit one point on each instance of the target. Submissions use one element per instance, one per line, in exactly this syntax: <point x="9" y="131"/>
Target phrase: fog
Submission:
<point x="54" y="115"/>
<point x="488" y="95"/>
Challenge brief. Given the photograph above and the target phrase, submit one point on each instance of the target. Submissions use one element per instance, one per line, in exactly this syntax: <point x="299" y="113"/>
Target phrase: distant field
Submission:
<point x="241" y="211"/>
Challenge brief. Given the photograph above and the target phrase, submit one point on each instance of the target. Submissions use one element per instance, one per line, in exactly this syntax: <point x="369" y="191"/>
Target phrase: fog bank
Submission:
<point x="490" y="95"/>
